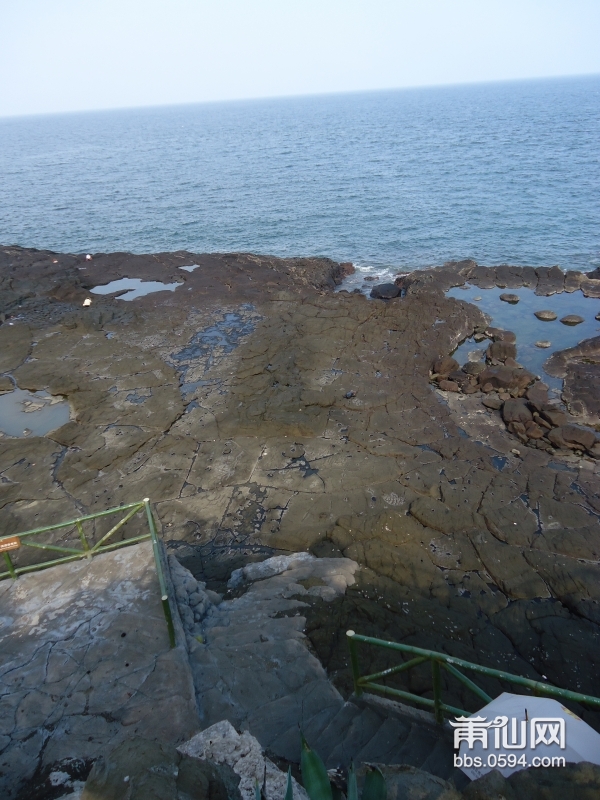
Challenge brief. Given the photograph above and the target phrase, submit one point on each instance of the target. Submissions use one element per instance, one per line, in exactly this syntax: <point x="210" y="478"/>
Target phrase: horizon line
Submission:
<point x="299" y="95"/>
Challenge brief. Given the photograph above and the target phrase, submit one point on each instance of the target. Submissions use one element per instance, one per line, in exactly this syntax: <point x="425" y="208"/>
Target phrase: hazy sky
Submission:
<point x="68" y="55"/>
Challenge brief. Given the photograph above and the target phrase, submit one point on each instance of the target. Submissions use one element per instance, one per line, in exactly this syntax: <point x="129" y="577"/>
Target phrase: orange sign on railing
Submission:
<point x="10" y="544"/>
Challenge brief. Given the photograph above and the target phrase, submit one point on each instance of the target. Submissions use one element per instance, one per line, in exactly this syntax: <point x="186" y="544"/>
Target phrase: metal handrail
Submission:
<point x="450" y="664"/>
<point x="8" y="543"/>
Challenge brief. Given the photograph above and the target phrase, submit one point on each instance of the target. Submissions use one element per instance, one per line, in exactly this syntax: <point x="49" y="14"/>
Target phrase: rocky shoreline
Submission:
<point x="264" y="413"/>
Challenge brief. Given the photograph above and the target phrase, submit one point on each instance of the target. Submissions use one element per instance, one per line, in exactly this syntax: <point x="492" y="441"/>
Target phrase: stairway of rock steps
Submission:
<point x="253" y="667"/>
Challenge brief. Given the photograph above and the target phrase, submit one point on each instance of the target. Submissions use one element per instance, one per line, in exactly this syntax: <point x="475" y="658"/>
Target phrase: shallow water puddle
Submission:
<point x="209" y="344"/>
<point x="520" y="319"/>
<point x="24" y="413"/>
<point x="136" y="286"/>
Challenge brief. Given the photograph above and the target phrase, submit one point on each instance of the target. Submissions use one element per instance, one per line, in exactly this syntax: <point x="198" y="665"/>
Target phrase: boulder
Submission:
<point x="534" y="431"/>
<point x="500" y="335"/>
<point x="493" y="402"/>
<point x="139" y="769"/>
<point x="502" y="377"/>
<point x="501" y="350"/>
<point x="449" y="386"/>
<point x="553" y="415"/>
<point x="510" y="298"/>
<point x="445" y="365"/>
<point x="385" y="291"/>
<point x="537" y="395"/>
<point x="473" y="367"/>
<point x="572" y="319"/>
<point x="516" y="411"/>
<point x="543" y="344"/>
<point x="572" y="436"/>
<point x="546" y="315"/>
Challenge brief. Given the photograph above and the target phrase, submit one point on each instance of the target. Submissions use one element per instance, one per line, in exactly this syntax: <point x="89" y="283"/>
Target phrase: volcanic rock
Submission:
<point x="510" y="298"/>
<point x="445" y="365"/>
<point x="516" y="411"/>
<point x="550" y="280"/>
<point x="385" y="291"/>
<point x="473" y="367"/>
<point x="502" y="377"/>
<point x="500" y="335"/>
<point x="572" y="319"/>
<point x="501" y="350"/>
<point x="449" y="386"/>
<point x="546" y="316"/>
<point x="538" y="395"/>
<point x="493" y="402"/>
<point x="553" y="415"/>
<point x="573" y="437"/>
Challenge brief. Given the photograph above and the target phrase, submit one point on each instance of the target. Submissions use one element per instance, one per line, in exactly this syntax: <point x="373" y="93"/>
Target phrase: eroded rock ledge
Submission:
<point x="299" y="419"/>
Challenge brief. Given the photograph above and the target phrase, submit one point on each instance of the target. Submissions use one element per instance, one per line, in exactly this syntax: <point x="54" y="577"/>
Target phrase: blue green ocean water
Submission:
<point x="506" y="172"/>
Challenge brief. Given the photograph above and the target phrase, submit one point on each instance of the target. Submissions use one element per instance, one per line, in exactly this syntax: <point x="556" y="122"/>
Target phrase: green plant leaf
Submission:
<point x="289" y="792"/>
<point x="352" y="785"/>
<point x="374" y="787"/>
<point x="314" y="774"/>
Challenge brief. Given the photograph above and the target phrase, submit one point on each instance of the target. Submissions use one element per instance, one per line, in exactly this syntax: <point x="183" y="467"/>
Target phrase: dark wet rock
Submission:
<point x="516" y="411"/>
<point x="493" y="402"/>
<point x="385" y="291"/>
<point x="404" y="782"/>
<point x="449" y="386"/>
<point x="590" y="288"/>
<point x="597" y="316"/>
<point x="510" y="298"/>
<point x="538" y="395"/>
<point x="546" y="315"/>
<point x="580" y="368"/>
<point x="140" y="769"/>
<point x="571" y="782"/>
<point x="500" y="335"/>
<point x="446" y="365"/>
<point x="572" y="319"/>
<point x="553" y="415"/>
<point x="510" y="362"/>
<point x="502" y="377"/>
<point x="550" y="281"/>
<point x="534" y="431"/>
<point x="501" y="350"/>
<point x="573" y="437"/>
<point x="473" y="367"/>
<point x="573" y="280"/>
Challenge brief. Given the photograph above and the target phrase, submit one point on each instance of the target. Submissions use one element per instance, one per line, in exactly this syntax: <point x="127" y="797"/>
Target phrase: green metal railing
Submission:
<point x="87" y="550"/>
<point x="441" y="661"/>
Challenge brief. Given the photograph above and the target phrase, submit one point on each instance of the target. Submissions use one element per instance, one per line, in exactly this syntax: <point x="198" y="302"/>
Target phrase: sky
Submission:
<point x="77" y="55"/>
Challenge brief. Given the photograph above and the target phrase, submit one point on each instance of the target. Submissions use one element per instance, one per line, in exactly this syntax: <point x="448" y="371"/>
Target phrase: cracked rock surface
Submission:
<point x="265" y="415"/>
<point x="85" y="662"/>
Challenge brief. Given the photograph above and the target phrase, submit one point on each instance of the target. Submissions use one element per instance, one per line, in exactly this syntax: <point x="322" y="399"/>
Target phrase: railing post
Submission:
<point x="354" y="663"/>
<point x="437" y="691"/>
<point x="83" y="538"/>
<point x="9" y="564"/>
<point x="164" y="596"/>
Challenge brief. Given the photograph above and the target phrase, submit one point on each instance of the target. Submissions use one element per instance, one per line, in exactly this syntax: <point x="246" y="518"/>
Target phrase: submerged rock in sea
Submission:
<point x="546" y="316"/>
<point x="543" y="344"/>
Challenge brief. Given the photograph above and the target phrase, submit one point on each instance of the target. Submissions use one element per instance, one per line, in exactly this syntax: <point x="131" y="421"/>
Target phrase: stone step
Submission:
<point x="387" y="739"/>
<point x="335" y="731"/>
<point x="416" y="748"/>
<point x="364" y="727"/>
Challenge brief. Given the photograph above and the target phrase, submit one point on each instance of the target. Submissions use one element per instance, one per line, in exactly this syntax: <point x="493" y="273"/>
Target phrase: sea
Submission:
<point x="500" y="172"/>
